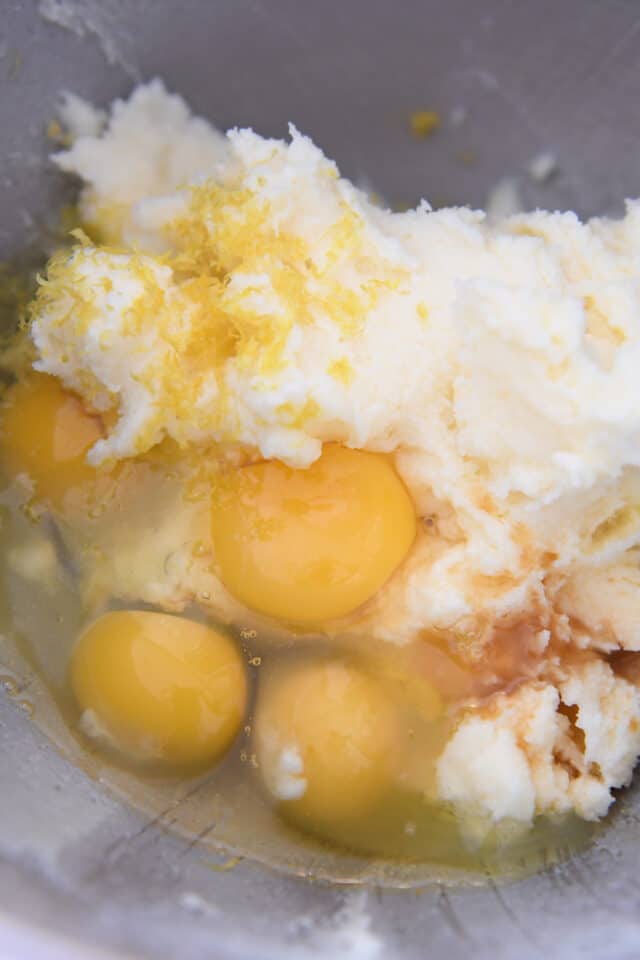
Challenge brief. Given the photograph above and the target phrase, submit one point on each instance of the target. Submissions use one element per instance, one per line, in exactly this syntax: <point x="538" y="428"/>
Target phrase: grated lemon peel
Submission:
<point x="230" y="292"/>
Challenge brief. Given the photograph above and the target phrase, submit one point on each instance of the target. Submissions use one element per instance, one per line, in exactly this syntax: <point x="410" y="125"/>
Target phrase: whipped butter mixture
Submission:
<point x="403" y="449"/>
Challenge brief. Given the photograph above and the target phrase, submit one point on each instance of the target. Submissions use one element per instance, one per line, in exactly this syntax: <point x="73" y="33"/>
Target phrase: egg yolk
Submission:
<point x="159" y="687"/>
<point x="311" y="545"/>
<point x="326" y="736"/>
<point x="45" y="433"/>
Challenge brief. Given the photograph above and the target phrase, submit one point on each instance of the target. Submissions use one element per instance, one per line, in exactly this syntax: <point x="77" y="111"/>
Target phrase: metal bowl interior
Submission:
<point x="80" y="872"/>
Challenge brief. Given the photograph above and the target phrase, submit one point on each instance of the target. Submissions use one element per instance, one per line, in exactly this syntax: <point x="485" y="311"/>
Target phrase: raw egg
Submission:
<point x="311" y="545"/>
<point x="160" y="688"/>
<point x="46" y="433"/>
<point x="326" y="737"/>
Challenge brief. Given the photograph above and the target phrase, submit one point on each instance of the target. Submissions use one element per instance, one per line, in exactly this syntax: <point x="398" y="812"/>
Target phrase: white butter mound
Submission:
<point x="521" y="756"/>
<point x="484" y="770"/>
<point x="152" y="146"/>
<point x="498" y="363"/>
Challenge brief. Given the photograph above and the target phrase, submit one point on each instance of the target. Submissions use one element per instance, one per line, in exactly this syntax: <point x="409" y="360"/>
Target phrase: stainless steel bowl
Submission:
<point x="80" y="873"/>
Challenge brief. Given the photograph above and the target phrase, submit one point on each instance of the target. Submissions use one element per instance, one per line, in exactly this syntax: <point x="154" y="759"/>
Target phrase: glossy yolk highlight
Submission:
<point x="46" y="433"/>
<point x="326" y="737"/>
<point x="160" y="688"/>
<point x="311" y="545"/>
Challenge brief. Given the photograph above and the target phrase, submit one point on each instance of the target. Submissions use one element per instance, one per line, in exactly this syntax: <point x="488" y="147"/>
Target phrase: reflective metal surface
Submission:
<point x="82" y="875"/>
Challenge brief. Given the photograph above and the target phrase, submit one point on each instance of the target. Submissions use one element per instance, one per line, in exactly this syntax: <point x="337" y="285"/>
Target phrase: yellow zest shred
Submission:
<point x="423" y="123"/>
<point x="236" y="282"/>
<point x="341" y="370"/>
